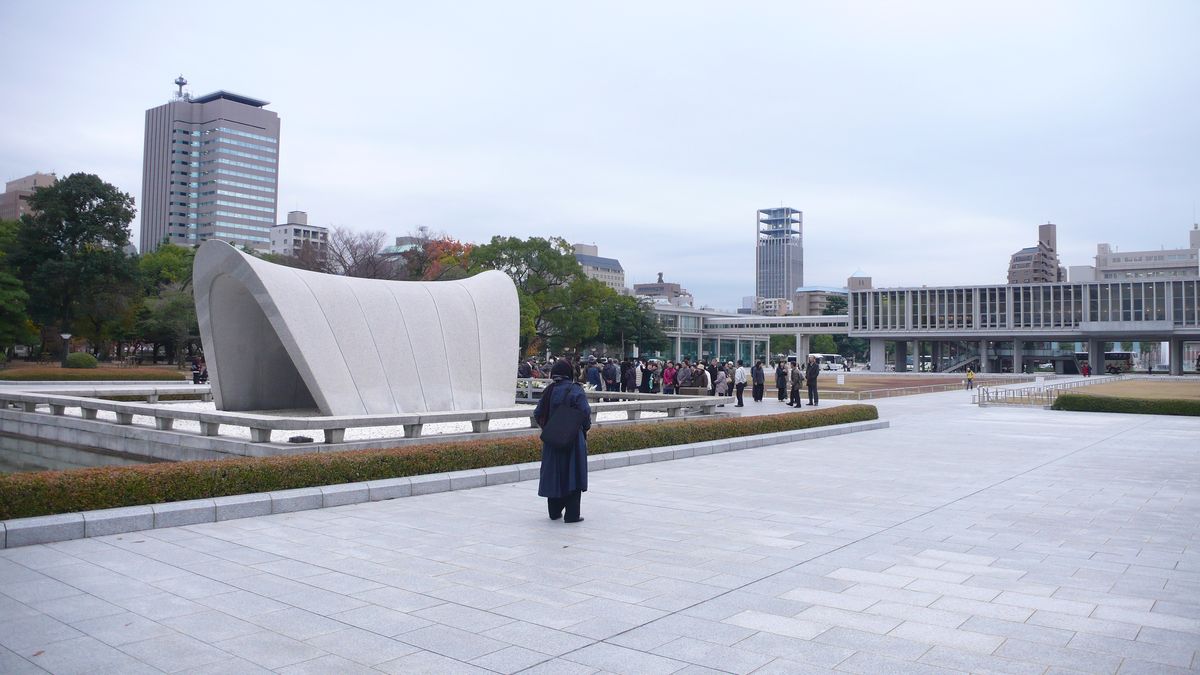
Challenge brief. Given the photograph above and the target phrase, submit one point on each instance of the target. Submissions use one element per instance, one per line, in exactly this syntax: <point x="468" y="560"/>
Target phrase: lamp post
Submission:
<point x="66" y="347"/>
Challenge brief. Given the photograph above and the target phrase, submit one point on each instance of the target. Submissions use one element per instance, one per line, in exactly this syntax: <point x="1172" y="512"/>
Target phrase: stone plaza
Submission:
<point x="960" y="539"/>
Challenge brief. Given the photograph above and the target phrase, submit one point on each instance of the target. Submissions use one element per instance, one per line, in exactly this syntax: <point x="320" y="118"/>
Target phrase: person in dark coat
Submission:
<point x="811" y="371"/>
<point x="758" y="381"/>
<point x="795" y="380"/>
<point x="781" y="381"/>
<point x="563" y="474"/>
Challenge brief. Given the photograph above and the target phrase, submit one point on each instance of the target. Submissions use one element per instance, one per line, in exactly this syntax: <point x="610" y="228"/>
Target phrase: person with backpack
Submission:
<point x="563" y="478"/>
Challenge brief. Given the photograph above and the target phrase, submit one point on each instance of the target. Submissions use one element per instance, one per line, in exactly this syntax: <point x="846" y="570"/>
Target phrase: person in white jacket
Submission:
<point x="739" y="382"/>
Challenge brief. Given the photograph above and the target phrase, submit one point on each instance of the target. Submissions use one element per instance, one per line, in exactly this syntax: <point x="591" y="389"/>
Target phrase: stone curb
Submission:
<point x="67" y="526"/>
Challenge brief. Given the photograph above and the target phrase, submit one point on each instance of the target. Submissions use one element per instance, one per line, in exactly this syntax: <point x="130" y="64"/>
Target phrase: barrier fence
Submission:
<point x="1040" y="395"/>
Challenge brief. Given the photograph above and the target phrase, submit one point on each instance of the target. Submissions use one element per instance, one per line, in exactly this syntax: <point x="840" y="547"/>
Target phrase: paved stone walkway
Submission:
<point x="961" y="539"/>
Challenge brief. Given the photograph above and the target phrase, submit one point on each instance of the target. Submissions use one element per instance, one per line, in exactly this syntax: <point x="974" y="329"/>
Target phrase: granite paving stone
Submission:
<point x="361" y="646"/>
<point x="981" y="539"/>
<point x="84" y="656"/>
<point x="210" y="626"/>
<point x="269" y="650"/>
<point x="323" y="665"/>
<point x="175" y="652"/>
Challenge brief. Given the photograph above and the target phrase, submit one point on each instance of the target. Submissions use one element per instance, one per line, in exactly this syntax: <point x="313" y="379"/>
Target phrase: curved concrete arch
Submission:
<point x="277" y="338"/>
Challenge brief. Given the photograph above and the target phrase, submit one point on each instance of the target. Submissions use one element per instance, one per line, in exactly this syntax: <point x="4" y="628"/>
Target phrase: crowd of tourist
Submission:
<point x="712" y="377"/>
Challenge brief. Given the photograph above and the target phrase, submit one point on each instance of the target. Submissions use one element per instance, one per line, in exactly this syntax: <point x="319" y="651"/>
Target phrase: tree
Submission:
<point x="556" y="300"/>
<point x="70" y="254"/>
<point x="15" y="327"/>
<point x="822" y="344"/>
<point x="782" y="344"/>
<point x="166" y="315"/>
<point x="168" y="265"/>
<point x="436" y="258"/>
<point x="835" y="305"/>
<point x="359" y="254"/>
<point x="626" y="320"/>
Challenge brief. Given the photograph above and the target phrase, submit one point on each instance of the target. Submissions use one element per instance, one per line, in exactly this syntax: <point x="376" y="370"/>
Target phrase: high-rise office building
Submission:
<point x="779" y="258"/>
<point x="210" y="171"/>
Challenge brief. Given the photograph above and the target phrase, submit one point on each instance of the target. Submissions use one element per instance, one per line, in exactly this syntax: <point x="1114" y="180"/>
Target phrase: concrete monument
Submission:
<point x="277" y="338"/>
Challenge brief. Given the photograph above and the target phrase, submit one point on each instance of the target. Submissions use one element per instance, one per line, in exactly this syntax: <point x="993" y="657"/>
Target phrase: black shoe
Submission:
<point x="577" y="520"/>
<point x="555" y="516"/>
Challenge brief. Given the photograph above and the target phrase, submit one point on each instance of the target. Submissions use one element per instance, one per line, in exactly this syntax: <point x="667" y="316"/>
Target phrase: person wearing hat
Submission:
<point x="563" y="477"/>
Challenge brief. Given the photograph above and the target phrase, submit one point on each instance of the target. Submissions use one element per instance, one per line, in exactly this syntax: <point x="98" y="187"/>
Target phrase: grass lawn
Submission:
<point x="23" y="371"/>
<point x="1180" y="390"/>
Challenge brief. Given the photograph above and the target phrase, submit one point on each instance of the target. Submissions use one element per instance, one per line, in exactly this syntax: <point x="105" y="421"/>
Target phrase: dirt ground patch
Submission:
<point x="1184" y="390"/>
<point x="828" y="382"/>
<point x="22" y="370"/>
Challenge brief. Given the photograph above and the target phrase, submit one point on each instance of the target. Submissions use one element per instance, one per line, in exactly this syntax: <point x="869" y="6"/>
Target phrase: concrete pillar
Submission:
<point x="1176" y="349"/>
<point x="1018" y="360"/>
<point x="878" y="355"/>
<point x="901" y="356"/>
<point x="1095" y="350"/>
<point x="678" y="349"/>
<point x="937" y="354"/>
<point x="802" y="347"/>
<point x="985" y="359"/>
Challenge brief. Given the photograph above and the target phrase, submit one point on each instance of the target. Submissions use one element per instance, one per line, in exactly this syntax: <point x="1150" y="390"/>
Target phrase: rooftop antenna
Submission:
<point x="181" y="83"/>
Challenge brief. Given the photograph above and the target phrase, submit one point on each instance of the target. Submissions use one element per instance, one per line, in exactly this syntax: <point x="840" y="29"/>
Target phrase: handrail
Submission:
<point x="869" y="394"/>
<point x="1043" y="394"/>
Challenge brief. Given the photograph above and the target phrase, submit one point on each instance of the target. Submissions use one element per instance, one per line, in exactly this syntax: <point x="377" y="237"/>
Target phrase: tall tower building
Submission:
<point x="210" y="171"/>
<point x="780" y="252"/>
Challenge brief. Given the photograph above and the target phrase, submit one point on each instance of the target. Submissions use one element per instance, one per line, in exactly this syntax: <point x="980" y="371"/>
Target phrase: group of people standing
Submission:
<point x="563" y="477"/>
<point x="790" y="378"/>
<point x="718" y="379"/>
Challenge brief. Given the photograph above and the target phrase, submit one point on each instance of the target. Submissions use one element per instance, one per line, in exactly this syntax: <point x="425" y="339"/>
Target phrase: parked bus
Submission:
<point x="830" y="361"/>
<point x="1115" y="363"/>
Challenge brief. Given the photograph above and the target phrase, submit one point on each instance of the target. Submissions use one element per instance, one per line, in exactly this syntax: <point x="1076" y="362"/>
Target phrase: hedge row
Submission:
<point x="47" y="492"/>
<point x="1141" y="406"/>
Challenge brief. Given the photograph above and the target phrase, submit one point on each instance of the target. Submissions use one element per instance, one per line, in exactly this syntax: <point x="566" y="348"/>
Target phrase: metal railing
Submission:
<point x="870" y="394"/>
<point x="1039" y="395"/>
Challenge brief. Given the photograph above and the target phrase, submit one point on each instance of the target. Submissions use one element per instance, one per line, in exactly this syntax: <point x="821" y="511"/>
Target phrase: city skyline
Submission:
<point x="923" y="142"/>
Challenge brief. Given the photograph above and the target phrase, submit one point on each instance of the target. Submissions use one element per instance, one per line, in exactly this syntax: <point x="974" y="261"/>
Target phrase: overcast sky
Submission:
<point x="924" y="141"/>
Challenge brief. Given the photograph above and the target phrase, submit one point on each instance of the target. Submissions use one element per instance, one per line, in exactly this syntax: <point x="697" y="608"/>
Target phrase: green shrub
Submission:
<point x="46" y="492"/>
<point x="81" y="360"/>
<point x="1141" y="406"/>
